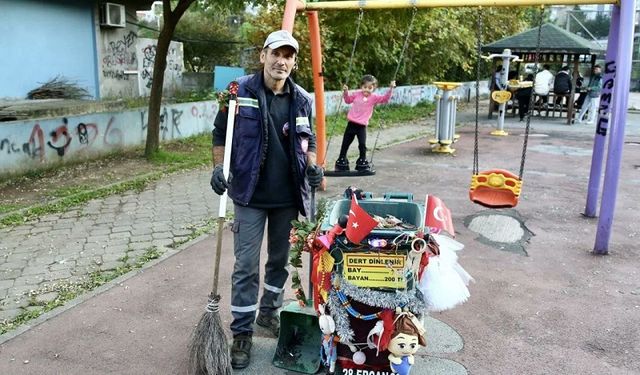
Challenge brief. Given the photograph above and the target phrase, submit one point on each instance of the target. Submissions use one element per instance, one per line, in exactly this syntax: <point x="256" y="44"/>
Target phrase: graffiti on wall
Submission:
<point x="29" y="144"/>
<point x="146" y="51"/>
<point x="148" y="59"/>
<point x="119" y="55"/>
<point x="59" y="140"/>
<point x="33" y="147"/>
<point x="169" y="123"/>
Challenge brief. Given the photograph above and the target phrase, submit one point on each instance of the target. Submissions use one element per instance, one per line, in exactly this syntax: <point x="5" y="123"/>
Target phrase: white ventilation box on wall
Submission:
<point x="112" y="15"/>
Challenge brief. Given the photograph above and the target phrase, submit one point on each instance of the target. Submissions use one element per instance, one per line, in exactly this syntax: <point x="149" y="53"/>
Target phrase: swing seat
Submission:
<point x="495" y="188"/>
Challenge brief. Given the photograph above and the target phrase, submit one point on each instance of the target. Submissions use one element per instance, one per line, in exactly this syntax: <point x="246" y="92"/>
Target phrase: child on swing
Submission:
<point x="358" y="118"/>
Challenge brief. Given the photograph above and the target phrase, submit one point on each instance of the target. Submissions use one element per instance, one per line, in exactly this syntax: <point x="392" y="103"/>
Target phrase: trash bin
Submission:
<point x="369" y="277"/>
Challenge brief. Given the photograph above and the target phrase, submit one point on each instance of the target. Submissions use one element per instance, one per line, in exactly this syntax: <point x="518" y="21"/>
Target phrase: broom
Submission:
<point x="209" y="350"/>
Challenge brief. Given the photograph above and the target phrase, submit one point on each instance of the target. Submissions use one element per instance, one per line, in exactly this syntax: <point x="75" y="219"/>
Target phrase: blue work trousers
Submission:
<point x="248" y="228"/>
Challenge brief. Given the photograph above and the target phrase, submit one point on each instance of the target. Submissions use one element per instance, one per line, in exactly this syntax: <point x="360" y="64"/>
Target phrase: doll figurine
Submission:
<point x="406" y="339"/>
<point x="328" y="352"/>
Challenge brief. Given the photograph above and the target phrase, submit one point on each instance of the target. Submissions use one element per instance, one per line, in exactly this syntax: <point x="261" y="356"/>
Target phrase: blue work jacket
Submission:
<point x="249" y="147"/>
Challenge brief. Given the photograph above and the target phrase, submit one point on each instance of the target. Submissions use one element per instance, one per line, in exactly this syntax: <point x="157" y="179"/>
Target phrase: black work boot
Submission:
<point x="362" y="164"/>
<point x="271" y="322"/>
<point x="241" y="351"/>
<point x="342" y="164"/>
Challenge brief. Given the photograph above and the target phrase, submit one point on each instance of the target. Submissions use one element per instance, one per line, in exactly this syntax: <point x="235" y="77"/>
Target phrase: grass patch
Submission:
<point x="9" y="207"/>
<point x="65" y="203"/>
<point x="67" y="291"/>
<point x="51" y="170"/>
<point x="186" y="153"/>
<point x="198" y="230"/>
<point x="69" y="190"/>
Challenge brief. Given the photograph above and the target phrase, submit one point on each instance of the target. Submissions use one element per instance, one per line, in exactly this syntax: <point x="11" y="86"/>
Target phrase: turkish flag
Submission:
<point x="360" y="223"/>
<point x="438" y="215"/>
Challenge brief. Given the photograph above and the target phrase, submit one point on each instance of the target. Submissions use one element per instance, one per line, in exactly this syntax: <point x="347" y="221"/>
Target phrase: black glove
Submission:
<point x="352" y="190"/>
<point x="314" y="175"/>
<point x="218" y="183"/>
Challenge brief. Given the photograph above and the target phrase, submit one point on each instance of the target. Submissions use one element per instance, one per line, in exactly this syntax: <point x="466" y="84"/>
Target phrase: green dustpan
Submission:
<point x="299" y="341"/>
<point x="300" y="338"/>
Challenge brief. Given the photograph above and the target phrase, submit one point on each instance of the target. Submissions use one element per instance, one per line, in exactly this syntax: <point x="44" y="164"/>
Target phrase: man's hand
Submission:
<point x="218" y="183"/>
<point x="314" y="175"/>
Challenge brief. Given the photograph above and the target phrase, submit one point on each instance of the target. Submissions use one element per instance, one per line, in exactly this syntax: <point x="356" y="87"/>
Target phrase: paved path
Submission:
<point x="57" y="249"/>
<point x="46" y="254"/>
<point x="135" y="324"/>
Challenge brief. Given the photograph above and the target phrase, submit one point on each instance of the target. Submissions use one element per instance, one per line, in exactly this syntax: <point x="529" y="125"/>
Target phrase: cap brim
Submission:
<point x="276" y="45"/>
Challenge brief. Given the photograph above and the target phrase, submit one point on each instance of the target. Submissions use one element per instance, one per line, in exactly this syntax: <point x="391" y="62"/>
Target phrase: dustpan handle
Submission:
<point x="312" y="218"/>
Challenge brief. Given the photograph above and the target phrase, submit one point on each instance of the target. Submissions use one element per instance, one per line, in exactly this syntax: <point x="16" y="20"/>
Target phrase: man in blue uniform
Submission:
<point x="273" y="168"/>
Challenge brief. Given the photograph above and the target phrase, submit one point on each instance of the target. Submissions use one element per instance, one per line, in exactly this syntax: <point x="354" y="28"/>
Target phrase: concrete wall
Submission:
<point x="146" y="54"/>
<point x="118" y="62"/>
<point x="36" y="143"/>
<point x="126" y="68"/>
<point x="407" y="95"/>
<point x="40" y="40"/>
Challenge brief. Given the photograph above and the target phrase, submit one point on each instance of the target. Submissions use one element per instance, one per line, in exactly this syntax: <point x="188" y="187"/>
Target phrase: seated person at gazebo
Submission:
<point x="582" y="90"/>
<point x="542" y="85"/>
<point x="562" y="86"/>
<point x="523" y="95"/>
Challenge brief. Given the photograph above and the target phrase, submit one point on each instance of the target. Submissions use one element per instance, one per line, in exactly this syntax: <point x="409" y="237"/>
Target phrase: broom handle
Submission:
<point x="222" y="207"/>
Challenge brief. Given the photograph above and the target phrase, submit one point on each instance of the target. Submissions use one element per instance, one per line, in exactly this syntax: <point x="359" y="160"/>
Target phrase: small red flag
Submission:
<point x="438" y="215"/>
<point x="360" y="223"/>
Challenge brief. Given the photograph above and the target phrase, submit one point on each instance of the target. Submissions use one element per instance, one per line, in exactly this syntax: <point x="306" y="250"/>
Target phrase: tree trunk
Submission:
<point x="170" y="19"/>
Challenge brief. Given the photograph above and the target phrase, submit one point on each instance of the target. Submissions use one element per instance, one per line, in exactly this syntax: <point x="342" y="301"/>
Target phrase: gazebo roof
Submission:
<point x="552" y="40"/>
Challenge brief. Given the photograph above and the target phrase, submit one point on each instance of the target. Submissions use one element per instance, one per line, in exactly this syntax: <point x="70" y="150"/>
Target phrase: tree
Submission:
<point x="599" y="26"/>
<point x="209" y="40"/>
<point x="171" y="17"/>
<point x="170" y="20"/>
<point x="442" y="43"/>
<point x="576" y="17"/>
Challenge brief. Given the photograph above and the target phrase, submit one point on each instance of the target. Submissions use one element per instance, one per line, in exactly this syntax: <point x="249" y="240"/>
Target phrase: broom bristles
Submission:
<point x="209" y="350"/>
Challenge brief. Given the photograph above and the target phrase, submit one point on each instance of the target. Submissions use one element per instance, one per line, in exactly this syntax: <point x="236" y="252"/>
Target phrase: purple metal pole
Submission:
<point x="603" y="115"/>
<point x="618" y="120"/>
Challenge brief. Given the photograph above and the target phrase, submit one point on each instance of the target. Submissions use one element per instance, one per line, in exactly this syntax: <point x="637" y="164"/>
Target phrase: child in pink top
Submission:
<point x="362" y="104"/>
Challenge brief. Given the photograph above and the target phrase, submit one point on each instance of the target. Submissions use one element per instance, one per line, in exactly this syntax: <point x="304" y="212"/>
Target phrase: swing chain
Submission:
<point x="531" y="103"/>
<point x="353" y="52"/>
<point x="406" y="42"/>
<point x="478" y="58"/>
<point x="355" y="43"/>
<point x="395" y="74"/>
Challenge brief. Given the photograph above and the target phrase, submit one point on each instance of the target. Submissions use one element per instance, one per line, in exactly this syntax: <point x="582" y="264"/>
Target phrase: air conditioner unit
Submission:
<point x="112" y="15"/>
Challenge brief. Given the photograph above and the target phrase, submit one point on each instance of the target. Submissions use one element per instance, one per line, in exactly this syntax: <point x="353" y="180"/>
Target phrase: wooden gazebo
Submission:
<point x="557" y="46"/>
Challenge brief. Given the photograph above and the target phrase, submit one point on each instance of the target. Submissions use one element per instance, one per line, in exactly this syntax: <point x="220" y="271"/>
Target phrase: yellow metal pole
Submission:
<point x="394" y="4"/>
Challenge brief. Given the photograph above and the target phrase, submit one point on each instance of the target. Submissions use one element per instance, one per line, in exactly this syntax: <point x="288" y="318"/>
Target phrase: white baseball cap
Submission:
<point x="281" y="38"/>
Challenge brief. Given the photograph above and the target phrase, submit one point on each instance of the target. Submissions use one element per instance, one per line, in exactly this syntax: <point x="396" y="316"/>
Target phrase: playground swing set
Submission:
<point x="493" y="188"/>
<point x="498" y="188"/>
<point x="371" y="170"/>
